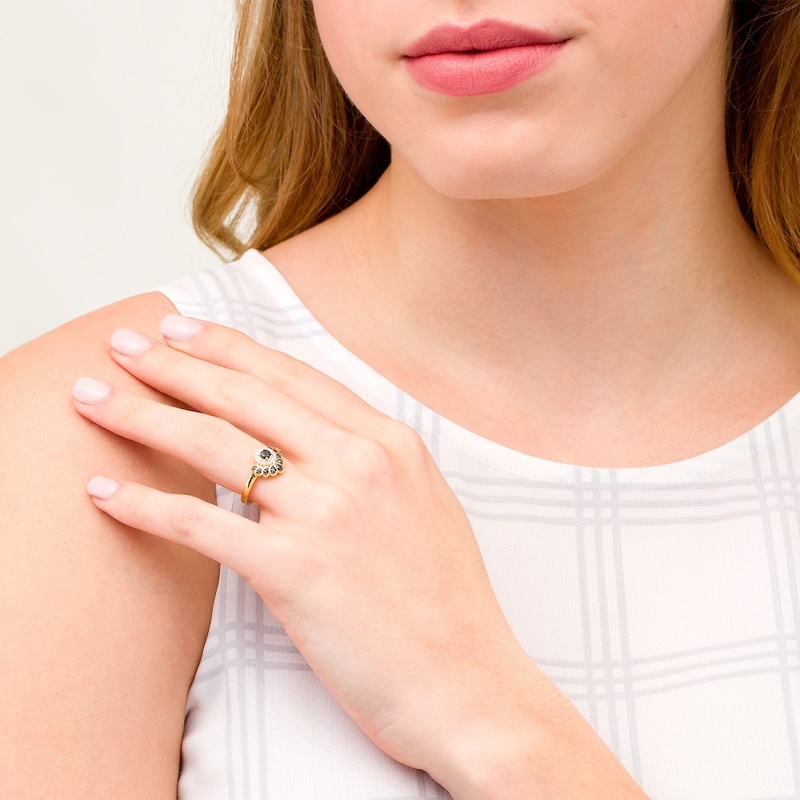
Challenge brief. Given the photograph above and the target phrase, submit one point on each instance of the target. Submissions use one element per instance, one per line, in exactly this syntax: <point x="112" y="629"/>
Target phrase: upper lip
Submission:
<point x="486" y="35"/>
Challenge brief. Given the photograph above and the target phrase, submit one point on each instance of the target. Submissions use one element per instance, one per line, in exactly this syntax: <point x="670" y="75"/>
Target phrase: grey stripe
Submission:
<point x="241" y="680"/>
<point x="779" y="624"/>
<point x="713" y="678"/>
<point x="671" y="687"/>
<point x="568" y="486"/>
<point x="418" y="417"/>
<point x="436" y="437"/>
<point x="618" y="685"/>
<point x="286" y="313"/>
<point x="222" y="595"/>
<point x="633" y="521"/>
<point x="580" y="549"/>
<point x="602" y="594"/>
<point x="710" y="502"/>
<point x="677" y="654"/>
<point x="790" y="552"/>
<point x="276" y="666"/>
<point x="715" y="662"/>
<point x="245" y="310"/>
<point x="624" y="639"/>
<point x="231" y="318"/>
<point x="400" y="403"/>
<point x="261" y="704"/>
<point x="210" y="310"/>
<point x="302" y="329"/>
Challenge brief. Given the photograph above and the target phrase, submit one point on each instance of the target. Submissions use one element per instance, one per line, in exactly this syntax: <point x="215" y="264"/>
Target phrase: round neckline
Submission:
<point x="506" y="458"/>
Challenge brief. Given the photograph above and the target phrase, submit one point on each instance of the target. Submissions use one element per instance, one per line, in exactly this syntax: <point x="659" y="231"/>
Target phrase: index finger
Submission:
<point x="232" y="349"/>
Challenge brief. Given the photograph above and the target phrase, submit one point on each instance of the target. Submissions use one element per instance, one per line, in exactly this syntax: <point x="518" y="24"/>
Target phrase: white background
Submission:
<point x="107" y="108"/>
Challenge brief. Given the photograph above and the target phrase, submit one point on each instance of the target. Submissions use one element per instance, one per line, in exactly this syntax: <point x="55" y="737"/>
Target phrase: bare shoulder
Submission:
<point x="101" y="627"/>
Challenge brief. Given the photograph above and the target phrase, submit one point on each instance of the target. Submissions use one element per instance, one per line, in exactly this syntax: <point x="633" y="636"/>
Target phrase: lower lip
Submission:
<point x="485" y="72"/>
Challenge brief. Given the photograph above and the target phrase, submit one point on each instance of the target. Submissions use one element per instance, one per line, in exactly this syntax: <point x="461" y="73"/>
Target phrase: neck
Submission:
<point x="636" y="262"/>
<point x="630" y="299"/>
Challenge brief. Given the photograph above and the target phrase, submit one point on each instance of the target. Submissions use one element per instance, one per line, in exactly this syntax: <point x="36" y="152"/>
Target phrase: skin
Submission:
<point x="102" y="628"/>
<point x="573" y="248"/>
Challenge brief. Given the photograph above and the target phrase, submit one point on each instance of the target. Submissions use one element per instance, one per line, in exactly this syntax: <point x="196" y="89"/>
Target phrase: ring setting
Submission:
<point x="269" y="464"/>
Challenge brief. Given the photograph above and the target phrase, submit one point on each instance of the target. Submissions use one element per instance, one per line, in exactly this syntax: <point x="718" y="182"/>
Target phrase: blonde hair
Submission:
<point x="293" y="150"/>
<point x="763" y="123"/>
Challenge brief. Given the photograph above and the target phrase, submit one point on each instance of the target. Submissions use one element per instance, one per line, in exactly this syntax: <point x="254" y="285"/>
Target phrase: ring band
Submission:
<point x="269" y="464"/>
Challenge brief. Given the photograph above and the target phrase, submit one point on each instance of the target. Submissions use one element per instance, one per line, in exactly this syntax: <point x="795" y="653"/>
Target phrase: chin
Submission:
<point x="507" y="178"/>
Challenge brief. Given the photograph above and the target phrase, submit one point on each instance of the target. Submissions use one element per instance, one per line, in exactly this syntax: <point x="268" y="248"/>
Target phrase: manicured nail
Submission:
<point x="102" y="488"/>
<point x="88" y="390"/>
<point x="130" y="343"/>
<point x="180" y="329"/>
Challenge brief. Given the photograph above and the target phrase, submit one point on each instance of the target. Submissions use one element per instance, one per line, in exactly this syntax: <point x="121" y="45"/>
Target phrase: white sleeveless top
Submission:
<point x="663" y="601"/>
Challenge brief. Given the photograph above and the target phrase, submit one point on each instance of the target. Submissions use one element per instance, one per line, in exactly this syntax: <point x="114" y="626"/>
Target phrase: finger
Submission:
<point x="242" y="399"/>
<point x="233" y="349"/>
<point x="228" y="538"/>
<point x="214" y="447"/>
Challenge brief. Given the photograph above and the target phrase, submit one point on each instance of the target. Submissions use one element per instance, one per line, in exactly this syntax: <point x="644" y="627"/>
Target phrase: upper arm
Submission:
<point x="101" y="627"/>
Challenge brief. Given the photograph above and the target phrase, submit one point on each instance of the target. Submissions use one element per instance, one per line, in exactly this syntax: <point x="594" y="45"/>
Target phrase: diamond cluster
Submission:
<point x="269" y="462"/>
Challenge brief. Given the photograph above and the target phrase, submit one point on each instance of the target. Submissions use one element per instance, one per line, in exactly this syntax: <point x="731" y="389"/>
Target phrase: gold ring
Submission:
<point x="269" y="464"/>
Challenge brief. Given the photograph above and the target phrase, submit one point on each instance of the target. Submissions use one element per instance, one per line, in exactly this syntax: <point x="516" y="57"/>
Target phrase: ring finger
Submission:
<point x="212" y="446"/>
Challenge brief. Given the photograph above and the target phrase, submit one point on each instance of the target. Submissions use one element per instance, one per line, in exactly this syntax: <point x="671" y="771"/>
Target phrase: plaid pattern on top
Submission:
<point x="663" y="601"/>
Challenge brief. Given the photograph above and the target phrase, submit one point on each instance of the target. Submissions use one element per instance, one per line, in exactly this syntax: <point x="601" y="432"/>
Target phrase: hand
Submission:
<point x="362" y="551"/>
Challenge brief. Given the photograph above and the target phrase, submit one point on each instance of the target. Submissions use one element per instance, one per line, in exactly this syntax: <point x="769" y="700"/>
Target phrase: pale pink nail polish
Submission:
<point x="88" y="390"/>
<point x="130" y="343"/>
<point x="102" y="488"/>
<point x="180" y="329"/>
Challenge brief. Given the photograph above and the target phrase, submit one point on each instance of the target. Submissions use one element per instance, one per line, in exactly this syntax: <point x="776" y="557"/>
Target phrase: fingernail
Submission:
<point x="130" y="343"/>
<point x="88" y="390"/>
<point x="180" y="329"/>
<point x="102" y="488"/>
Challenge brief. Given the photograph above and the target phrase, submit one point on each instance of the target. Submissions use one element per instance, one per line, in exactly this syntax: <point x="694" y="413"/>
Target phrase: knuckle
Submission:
<point x="188" y="515"/>
<point x="209" y="438"/>
<point x="369" y="460"/>
<point x="229" y="342"/>
<point x="137" y="509"/>
<point x="380" y="463"/>
<point x="231" y="392"/>
<point x="329" y="503"/>
<point x="336" y="440"/>
<point x="285" y="370"/>
<point x="404" y="439"/>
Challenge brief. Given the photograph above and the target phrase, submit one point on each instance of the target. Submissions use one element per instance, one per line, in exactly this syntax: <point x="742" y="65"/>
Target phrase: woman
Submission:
<point x="556" y="269"/>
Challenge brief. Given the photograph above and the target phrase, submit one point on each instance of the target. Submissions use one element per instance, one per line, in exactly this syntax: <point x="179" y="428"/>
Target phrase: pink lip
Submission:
<point x="485" y="58"/>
